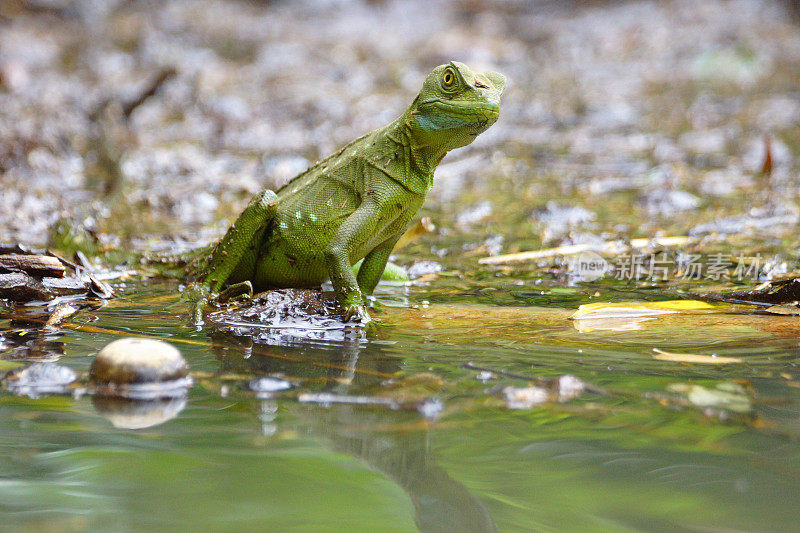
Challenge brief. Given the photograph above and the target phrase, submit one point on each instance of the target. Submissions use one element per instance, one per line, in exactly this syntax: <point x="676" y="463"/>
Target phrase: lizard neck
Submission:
<point x="421" y="158"/>
<point x="427" y="152"/>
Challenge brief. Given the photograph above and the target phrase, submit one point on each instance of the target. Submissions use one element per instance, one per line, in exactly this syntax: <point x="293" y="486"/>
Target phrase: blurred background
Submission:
<point x="150" y="123"/>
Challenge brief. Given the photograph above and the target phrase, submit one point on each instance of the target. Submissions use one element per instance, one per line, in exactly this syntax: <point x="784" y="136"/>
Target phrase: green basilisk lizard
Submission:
<point x="356" y="203"/>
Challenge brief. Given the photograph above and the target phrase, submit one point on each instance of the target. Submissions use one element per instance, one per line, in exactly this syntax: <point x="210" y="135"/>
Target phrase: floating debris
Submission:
<point x="785" y="310"/>
<point x="782" y="295"/>
<point x="587" y="325"/>
<point x="62" y="311"/>
<point x="567" y="387"/>
<point x="661" y="355"/>
<point x="416" y="395"/>
<point x="326" y="398"/>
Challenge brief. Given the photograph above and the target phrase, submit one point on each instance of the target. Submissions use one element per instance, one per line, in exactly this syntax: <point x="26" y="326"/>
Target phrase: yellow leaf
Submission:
<point x="637" y="309"/>
<point x="661" y="355"/>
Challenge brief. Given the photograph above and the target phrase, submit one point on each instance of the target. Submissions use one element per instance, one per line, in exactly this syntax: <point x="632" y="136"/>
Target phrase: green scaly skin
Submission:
<point x="356" y="203"/>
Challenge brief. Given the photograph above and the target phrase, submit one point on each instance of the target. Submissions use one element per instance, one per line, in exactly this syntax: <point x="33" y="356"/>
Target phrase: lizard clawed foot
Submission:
<point x="200" y="295"/>
<point x="237" y="291"/>
<point x="354" y="309"/>
<point x="356" y="312"/>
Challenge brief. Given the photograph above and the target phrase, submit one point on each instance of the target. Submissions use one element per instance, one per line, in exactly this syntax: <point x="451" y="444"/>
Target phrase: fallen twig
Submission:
<point x="574" y="249"/>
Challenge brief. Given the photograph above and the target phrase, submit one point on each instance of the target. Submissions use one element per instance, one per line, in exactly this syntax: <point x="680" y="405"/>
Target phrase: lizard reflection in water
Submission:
<point x="441" y="502"/>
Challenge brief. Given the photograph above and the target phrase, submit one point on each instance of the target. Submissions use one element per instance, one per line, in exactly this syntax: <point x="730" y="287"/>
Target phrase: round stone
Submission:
<point x="134" y="360"/>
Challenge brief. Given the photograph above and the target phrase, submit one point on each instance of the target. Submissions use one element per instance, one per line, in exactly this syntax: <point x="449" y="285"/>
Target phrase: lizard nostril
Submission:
<point x="481" y="84"/>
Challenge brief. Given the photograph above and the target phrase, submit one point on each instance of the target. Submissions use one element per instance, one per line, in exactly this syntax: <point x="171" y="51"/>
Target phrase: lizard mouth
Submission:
<point x="481" y="110"/>
<point x="475" y="117"/>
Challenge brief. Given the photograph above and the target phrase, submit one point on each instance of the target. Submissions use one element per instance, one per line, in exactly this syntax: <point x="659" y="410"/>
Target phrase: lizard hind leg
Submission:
<point x="234" y="257"/>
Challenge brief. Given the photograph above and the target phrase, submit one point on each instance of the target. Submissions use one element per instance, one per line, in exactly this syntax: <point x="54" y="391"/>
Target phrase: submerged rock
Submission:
<point x="569" y="387"/>
<point x="40" y="378"/>
<point x="563" y="389"/>
<point x="525" y="397"/>
<point x="728" y="396"/>
<point x="268" y="385"/>
<point x="285" y="316"/>
<point x="137" y="367"/>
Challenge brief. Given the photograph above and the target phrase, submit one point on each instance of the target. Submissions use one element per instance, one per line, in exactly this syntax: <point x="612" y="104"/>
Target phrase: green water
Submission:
<point x="632" y="455"/>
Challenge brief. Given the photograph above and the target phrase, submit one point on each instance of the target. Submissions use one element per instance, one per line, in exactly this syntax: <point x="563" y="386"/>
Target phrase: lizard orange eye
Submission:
<point x="448" y="79"/>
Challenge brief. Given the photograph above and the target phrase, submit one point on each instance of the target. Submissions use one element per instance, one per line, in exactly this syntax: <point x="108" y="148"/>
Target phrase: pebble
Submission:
<point x="136" y="361"/>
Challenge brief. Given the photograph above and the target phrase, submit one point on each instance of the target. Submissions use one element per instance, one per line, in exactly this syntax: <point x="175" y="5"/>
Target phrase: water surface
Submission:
<point x="634" y="453"/>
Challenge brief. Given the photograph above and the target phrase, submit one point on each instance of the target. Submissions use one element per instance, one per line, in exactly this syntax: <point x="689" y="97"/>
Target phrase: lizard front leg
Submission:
<point x="355" y="229"/>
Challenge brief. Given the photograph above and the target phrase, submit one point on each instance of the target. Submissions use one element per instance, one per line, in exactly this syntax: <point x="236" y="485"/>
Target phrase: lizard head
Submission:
<point x="456" y="105"/>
